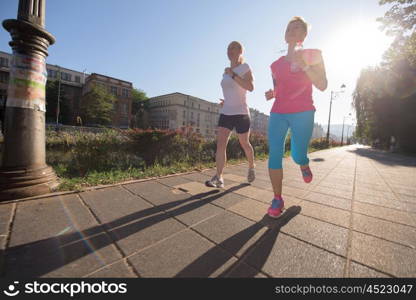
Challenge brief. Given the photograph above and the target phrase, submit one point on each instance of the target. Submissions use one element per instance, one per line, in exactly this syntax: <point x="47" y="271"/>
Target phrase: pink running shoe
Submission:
<point x="307" y="174"/>
<point x="276" y="208"/>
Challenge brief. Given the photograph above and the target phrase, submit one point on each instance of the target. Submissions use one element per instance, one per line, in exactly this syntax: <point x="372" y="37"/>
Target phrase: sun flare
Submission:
<point x="356" y="46"/>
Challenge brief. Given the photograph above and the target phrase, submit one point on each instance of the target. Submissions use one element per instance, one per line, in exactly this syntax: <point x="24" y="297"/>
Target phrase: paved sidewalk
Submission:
<point x="356" y="219"/>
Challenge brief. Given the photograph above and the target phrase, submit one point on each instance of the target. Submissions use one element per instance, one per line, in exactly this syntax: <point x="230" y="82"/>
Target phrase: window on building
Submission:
<point x="124" y="108"/>
<point x="4" y="77"/>
<point x="197" y="130"/>
<point x="125" y="92"/>
<point x="52" y="73"/>
<point x="192" y="104"/>
<point x="199" y="106"/>
<point x="4" y="62"/>
<point x="113" y="90"/>
<point x="77" y="79"/>
<point x="3" y="96"/>
<point x="192" y="114"/>
<point x="66" y="76"/>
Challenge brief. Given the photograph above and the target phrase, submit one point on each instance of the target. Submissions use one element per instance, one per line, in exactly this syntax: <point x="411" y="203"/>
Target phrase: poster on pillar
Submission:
<point x="27" y="82"/>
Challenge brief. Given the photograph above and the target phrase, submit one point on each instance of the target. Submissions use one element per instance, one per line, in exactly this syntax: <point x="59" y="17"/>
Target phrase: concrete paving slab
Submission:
<point x="279" y="255"/>
<point x="333" y="192"/>
<point x="142" y="233"/>
<point x="250" y="209"/>
<point x="256" y="193"/>
<point x="377" y="187"/>
<point x="325" y="213"/>
<point x="360" y="271"/>
<point x="156" y="193"/>
<point x="393" y="232"/>
<point x="194" y="188"/>
<point x="228" y="199"/>
<point x="74" y="246"/>
<point x="199" y="177"/>
<point x="173" y="180"/>
<point x="195" y="212"/>
<point x="390" y="203"/>
<point x="328" y="200"/>
<point x="235" y="233"/>
<point x="3" y="240"/>
<point x="292" y="191"/>
<point x="407" y="198"/>
<point x="5" y="217"/>
<point x="312" y="231"/>
<point x="119" y="269"/>
<point x="235" y="178"/>
<point x="404" y="190"/>
<point x="336" y="185"/>
<point x="388" y="257"/>
<point x="189" y="255"/>
<point x="117" y="206"/>
<point x="262" y="183"/>
<point x="387" y="214"/>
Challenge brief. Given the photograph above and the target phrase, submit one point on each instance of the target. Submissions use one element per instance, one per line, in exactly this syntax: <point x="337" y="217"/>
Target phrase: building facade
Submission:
<point x="179" y="111"/>
<point x="259" y="121"/>
<point x="5" y="62"/>
<point x="122" y="92"/>
<point x="74" y="85"/>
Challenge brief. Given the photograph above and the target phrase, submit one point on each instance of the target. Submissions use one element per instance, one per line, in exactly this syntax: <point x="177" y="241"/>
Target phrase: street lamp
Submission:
<point x="23" y="171"/>
<point x="58" y="104"/>
<point x="333" y="93"/>
<point x="83" y="76"/>
<point x="342" y="135"/>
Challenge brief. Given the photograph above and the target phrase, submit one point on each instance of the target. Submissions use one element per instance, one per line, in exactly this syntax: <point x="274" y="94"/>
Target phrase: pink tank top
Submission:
<point x="293" y="90"/>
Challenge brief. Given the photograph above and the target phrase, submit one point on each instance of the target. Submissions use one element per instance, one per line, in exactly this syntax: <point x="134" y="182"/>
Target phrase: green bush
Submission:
<point x="80" y="153"/>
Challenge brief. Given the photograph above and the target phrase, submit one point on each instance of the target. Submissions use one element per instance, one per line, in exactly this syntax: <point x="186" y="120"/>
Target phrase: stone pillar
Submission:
<point x="23" y="171"/>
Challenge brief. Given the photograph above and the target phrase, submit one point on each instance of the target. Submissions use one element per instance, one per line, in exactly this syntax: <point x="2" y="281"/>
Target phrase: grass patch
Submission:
<point x="95" y="178"/>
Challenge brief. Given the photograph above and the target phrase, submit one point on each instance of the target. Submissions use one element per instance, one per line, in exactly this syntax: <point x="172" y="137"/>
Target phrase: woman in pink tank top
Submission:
<point x="293" y="77"/>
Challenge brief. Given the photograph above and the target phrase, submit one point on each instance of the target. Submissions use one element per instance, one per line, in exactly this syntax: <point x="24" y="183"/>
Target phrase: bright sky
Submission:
<point x="166" y="46"/>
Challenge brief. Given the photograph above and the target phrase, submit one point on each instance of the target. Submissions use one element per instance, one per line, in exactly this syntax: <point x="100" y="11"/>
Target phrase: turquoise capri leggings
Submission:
<point x="301" y="126"/>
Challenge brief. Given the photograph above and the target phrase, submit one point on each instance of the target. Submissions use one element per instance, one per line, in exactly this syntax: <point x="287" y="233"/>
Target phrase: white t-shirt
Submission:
<point x="235" y="102"/>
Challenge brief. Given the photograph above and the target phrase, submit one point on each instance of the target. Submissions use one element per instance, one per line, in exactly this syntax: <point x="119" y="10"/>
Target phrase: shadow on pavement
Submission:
<point x="317" y="159"/>
<point x="257" y="253"/>
<point x="39" y="258"/>
<point x="386" y="158"/>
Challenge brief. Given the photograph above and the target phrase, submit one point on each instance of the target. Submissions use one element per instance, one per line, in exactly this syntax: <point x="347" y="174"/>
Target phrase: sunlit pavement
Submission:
<point x="356" y="219"/>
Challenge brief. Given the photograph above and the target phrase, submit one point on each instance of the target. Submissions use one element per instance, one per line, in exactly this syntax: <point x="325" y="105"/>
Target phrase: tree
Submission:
<point x="97" y="107"/>
<point x="51" y="97"/>
<point x="140" y="109"/>
<point x="385" y="96"/>
<point x="400" y="18"/>
<point x="400" y="21"/>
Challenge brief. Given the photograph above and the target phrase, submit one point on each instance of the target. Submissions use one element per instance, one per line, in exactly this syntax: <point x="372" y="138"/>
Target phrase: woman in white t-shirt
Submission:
<point x="236" y="81"/>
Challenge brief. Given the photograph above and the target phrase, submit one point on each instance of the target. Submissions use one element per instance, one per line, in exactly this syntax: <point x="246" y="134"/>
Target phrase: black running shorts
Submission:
<point x="241" y="123"/>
